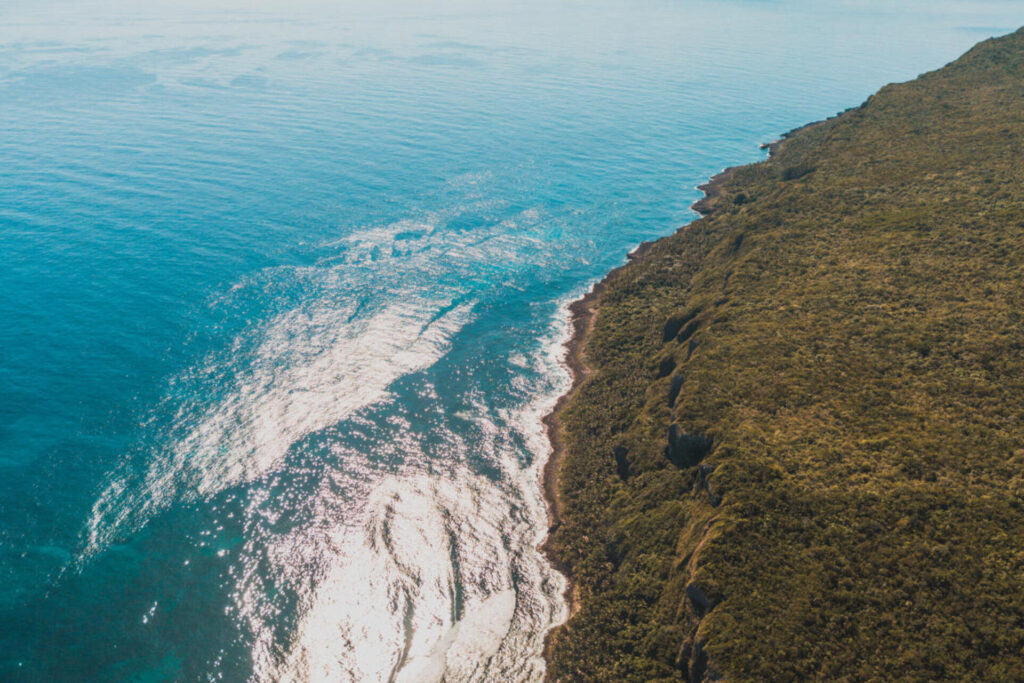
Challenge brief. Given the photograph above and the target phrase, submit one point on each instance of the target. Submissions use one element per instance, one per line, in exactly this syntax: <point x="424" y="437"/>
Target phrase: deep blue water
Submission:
<point x="282" y="292"/>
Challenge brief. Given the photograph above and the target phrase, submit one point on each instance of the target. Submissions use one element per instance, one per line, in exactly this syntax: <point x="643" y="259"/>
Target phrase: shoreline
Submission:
<point x="582" y="313"/>
<point x="638" y="546"/>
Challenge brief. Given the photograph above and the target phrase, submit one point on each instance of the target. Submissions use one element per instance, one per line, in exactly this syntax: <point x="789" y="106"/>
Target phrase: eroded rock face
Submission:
<point x="685" y="450"/>
<point x="698" y="663"/>
<point x="700" y="601"/>
<point x="621" y="462"/>
<point x="674" y="324"/>
<point x="674" y="387"/>
<point x="693" y="658"/>
<point x="686" y="332"/>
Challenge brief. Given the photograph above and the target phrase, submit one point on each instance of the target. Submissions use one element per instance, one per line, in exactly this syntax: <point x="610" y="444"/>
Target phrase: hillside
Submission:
<point x="798" y="449"/>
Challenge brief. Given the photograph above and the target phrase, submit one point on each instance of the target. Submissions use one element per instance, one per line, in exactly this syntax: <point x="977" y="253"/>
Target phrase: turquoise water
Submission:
<point x="283" y="288"/>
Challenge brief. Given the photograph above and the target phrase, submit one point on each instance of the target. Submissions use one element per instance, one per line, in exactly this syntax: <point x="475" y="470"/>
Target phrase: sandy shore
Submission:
<point x="582" y="314"/>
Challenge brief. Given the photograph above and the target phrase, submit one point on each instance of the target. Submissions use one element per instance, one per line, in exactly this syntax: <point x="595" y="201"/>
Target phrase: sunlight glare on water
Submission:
<point x="284" y="294"/>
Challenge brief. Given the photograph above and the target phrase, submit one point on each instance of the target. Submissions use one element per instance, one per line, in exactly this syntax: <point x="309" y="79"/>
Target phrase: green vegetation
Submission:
<point x="799" y="452"/>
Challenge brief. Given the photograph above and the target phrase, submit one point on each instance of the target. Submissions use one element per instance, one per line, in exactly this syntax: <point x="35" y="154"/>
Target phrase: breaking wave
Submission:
<point x="390" y="522"/>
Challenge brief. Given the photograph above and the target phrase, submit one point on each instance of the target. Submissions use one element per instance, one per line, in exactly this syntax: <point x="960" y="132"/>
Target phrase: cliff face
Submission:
<point x="799" y="450"/>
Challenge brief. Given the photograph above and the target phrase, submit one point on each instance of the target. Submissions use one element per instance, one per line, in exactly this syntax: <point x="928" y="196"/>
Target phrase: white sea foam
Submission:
<point x="311" y="368"/>
<point x="440" y="578"/>
<point x="437" y="574"/>
<point x="387" y="607"/>
<point x="405" y="563"/>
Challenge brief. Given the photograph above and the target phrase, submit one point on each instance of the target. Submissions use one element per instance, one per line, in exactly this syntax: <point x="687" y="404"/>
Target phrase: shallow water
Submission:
<point x="281" y="293"/>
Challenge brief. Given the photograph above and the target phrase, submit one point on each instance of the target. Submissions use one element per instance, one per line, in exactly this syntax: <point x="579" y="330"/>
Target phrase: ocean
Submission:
<point x="283" y="289"/>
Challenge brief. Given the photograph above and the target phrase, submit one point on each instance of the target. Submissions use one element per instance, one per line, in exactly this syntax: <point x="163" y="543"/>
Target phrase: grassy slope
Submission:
<point x="851" y="339"/>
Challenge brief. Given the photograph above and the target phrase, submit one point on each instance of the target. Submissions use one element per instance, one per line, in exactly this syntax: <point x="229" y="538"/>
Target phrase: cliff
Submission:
<point x="798" y="449"/>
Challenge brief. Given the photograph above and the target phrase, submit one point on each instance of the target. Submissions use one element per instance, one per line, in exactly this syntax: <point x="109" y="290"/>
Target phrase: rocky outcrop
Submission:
<point x="685" y="450"/>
